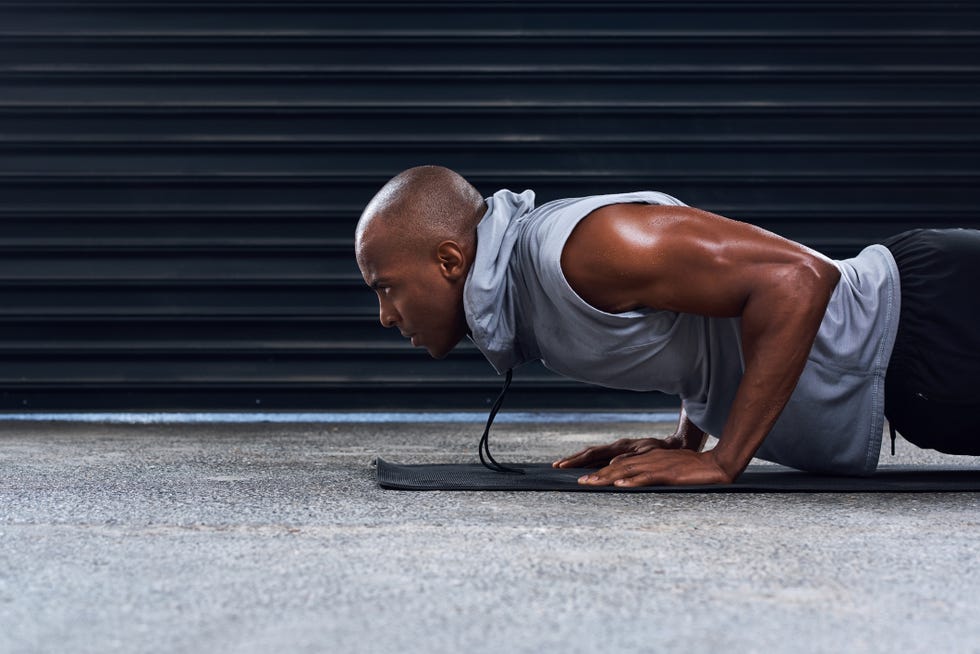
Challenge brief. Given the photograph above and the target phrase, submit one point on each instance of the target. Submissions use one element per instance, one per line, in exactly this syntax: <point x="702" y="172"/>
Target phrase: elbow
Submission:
<point x="811" y="281"/>
<point x="795" y="292"/>
<point x="824" y="270"/>
<point x="824" y="277"/>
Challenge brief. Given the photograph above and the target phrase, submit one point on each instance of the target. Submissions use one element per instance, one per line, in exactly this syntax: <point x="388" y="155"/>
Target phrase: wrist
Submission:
<point x="687" y="439"/>
<point x="727" y="469"/>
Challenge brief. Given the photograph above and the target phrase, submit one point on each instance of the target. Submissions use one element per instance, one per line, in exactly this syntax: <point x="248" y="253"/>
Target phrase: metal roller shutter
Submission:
<point x="179" y="180"/>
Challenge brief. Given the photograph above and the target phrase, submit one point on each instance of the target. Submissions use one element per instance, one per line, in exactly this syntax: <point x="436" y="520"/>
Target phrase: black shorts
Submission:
<point x="932" y="387"/>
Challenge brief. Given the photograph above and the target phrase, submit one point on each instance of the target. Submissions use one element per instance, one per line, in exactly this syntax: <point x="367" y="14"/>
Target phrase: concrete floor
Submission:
<point x="274" y="537"/>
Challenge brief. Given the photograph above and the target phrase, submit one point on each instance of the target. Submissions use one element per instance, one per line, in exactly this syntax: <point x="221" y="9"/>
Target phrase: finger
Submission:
<point x="590" y="455"/>
<point x="623" y="457"/>
<point x="608" y="475"/>
<point x="647" y="478"/>
<point x="628" y="476"/>
<point x="582" y="462"/>
<point x="575" y="459"/>
<point x="642" y="449"/>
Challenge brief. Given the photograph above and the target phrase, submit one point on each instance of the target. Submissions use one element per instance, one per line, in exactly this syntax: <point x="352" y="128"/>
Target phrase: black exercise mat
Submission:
<point x="755" y="479"/>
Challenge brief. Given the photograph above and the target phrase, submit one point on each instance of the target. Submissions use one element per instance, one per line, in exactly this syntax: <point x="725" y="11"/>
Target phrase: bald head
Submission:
<point x="421" y="207"/>
<point x="415" y="243"/>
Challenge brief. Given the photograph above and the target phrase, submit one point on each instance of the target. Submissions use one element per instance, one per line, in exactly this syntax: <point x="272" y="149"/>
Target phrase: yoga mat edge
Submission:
<point x="756" y="479"/>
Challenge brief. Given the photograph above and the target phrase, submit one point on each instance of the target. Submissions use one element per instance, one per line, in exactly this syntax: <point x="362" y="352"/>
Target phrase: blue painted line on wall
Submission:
<point x="556" y="417"/>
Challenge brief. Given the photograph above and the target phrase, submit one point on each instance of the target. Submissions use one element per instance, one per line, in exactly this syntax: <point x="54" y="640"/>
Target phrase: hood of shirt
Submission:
<point x="488" y="297"/>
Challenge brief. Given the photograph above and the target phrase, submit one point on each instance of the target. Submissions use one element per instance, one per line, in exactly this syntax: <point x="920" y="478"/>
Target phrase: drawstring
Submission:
<point x="489" y="461"/>
<point x="891" y="428"/>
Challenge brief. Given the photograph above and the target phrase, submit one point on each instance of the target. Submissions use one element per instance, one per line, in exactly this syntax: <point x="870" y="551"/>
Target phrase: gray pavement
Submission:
<point x="274" y="537"/>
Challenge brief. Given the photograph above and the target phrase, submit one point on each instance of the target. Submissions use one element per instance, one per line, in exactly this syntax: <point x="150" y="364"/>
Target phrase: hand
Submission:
<point x="602" y="455"/>
<point x="660" y="467"/>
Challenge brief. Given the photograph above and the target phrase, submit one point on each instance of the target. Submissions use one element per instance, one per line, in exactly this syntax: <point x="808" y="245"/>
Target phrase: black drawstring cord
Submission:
<point x="489" y="461"/>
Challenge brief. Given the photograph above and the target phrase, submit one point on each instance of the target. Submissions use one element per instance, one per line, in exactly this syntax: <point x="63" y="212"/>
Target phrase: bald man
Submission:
<point x="772" y="347"/>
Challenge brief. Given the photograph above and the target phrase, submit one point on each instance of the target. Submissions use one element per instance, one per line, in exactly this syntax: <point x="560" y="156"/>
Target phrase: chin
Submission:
<point x="438" y="354"/>
<point x="442" y="351"/>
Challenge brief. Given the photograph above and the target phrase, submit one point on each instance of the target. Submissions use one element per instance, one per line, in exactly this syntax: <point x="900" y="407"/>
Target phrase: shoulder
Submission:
<point x="621" y="224"/>
<point x="616" y="247"/>
<point x="571" y="227"/>
<point x="552" y="224"/>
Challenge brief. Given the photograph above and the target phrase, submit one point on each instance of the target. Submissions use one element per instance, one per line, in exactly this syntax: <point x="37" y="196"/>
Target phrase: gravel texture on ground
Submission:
<point x="267" y="537"/>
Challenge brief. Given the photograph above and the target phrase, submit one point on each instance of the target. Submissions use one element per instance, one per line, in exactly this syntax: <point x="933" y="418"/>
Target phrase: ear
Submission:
<point x="452" y="260"/>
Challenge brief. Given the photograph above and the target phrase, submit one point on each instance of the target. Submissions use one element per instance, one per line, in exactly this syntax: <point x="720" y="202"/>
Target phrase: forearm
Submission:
<point x="779" y="326"/>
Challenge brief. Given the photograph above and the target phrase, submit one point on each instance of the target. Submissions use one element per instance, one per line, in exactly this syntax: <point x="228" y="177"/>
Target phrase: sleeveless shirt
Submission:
<point x="520" y="308"/>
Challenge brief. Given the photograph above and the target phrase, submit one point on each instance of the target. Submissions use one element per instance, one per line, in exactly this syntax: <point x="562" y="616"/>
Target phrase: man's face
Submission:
<point x="419" y="293"/>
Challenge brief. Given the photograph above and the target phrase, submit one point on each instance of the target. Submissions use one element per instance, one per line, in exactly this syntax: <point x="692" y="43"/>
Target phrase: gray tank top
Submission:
<point x="520" y="308"/>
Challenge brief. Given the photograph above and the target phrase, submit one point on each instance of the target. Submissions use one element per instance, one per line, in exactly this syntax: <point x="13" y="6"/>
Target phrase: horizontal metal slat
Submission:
<point x="930" y="191"/>
<point x="263" y="37"/>
<point x="124" y="214"/>
<point x="304" y="398"/>
<point x="198" y="300"/>
<point x="229" y="370"/>
<point x="332" y="54"/>
<point x="72" y="229"/>
<point x="835" y="6"/>
<point x="275" y="5"/>
<point x="301" y="178"/>
<point x="191" y="142"/>
<point x="363" y="73"/>
<point x="535" y="87"/>
<point x="667" y="121"/>
<point x="492" y="106"/>
<point x="455" y="15"/>
<point x="647" y="154"/>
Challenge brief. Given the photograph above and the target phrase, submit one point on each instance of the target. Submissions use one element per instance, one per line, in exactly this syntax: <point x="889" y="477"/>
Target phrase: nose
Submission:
<point x="387" y="314"/>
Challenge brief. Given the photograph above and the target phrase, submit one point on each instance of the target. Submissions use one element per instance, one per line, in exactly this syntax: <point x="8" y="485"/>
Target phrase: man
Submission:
<point x="775" y="349"/>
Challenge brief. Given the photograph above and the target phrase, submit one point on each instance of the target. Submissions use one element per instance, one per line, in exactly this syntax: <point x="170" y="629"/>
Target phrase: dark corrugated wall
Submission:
<point x="179" y="180"/>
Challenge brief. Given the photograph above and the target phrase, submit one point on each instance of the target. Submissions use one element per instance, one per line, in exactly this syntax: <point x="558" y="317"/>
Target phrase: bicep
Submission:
<point x="681" y="259"/>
